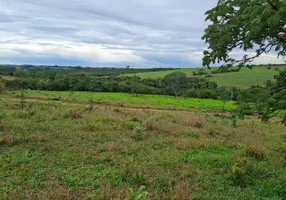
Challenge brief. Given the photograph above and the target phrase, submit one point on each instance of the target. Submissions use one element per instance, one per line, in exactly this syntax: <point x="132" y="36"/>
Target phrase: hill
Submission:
<point x="242" y="79"/>
<point x="246" y="77"/>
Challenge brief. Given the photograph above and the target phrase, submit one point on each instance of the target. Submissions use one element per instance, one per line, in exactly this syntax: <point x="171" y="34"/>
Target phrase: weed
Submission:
<point x="139" y="129"/>
<point x="91" y="127"/>
<point x="150" y="125"/>
<point x="74" y="114"/>
<point x="141" y="194"/>
<point x="130" y="125"/>
<point x="213" y="133"/>
<point x="198" y="125"/>
<point x="234" y="121"/>
<point x="90" y="106"/>
<point x="239" y="171"/>
<point x="131" y="174"/>
<point x="192" y="135"/>
<point x="22" y="100"/>
<point x="282" y="148"/>
<point x="3" y="140"/>
<point x="134" y="119"/>
<point x="27" y="114"/>
<point x="56" y="99"/>
<point x="162" y="184"/>
<point x="254" y="152"/>
<point x="117" y="110"/>
<point x="3" y="115"/>
<point x="139" y="133"/>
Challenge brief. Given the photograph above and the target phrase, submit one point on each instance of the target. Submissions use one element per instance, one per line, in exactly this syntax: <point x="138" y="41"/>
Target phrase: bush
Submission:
<point x="201" y="72"/>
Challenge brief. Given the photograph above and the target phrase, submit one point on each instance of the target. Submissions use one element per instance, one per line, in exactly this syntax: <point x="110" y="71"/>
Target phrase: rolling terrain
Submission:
<point x="59" y="145"/>
<point x="242" y="79"/>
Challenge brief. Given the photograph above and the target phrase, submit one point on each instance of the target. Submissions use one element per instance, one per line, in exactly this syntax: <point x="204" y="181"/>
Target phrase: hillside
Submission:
<point x="242" y="79"/>
<point x="70" y="148"/>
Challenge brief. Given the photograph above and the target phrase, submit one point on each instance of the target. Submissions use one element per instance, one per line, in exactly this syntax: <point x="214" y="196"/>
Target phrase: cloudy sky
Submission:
<point x="139" y="33"/>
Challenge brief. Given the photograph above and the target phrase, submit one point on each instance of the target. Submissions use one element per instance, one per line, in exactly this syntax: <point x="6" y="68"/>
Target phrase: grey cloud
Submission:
<point x="165" y="27"/>
<point x="52" y="29"/>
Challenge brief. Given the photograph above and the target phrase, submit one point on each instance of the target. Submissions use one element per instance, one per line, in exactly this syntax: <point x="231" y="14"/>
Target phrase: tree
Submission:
<point x="175" y="83"/>
<point x="268" y="102"/>
<point x="246" y="24"/>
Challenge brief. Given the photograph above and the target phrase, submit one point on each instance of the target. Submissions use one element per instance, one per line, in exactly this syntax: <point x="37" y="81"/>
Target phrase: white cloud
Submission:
<point x="269" y="58"/>
<point x="79" y="51"/>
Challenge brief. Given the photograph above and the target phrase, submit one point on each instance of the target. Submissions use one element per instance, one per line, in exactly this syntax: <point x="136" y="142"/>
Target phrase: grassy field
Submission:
<point x="118" y="149"/>
<point x="243" y="79"/>
<point x="128" y="100"/>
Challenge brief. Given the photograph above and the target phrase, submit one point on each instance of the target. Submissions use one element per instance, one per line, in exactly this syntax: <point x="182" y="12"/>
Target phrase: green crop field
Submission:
<point x="60" y="145"/>
<point x="242" y="79"/>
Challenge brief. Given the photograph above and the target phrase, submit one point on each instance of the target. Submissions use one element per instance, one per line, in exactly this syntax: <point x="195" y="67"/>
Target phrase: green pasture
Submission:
<point x="246" y="77"/>
<point x="130" y="100"/>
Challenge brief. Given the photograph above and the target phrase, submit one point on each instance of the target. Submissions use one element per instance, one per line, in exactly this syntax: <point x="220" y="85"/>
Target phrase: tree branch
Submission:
<point x="272" y="5"/>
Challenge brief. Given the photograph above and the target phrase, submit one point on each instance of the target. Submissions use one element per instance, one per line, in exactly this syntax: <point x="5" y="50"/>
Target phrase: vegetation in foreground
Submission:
<point x="54" y="150"/>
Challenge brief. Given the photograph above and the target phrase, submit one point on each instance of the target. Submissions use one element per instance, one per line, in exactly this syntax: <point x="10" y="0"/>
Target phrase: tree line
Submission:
<point x="175" y="84"/>
<point x="268" y="101"/>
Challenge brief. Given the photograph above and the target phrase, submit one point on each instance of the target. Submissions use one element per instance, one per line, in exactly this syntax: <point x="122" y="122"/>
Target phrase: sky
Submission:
<point x="106" y="33"/>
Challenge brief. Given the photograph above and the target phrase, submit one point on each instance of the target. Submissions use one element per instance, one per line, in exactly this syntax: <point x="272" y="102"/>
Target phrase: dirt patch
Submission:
<point x="9" y="78"/>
